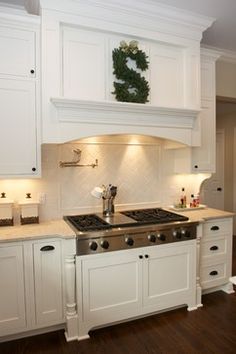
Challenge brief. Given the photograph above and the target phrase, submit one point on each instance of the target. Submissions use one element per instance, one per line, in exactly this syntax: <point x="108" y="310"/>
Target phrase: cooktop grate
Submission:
<point x="154" y="215"/>
<point x="89" y="222"/>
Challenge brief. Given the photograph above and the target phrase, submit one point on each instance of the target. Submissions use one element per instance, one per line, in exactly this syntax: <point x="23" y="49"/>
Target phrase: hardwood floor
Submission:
<point x="210" y="329"/>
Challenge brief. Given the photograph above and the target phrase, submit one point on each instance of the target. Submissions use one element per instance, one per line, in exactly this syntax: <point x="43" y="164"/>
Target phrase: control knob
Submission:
<point x="185" y="233"/>
<point x="177" y="234"/>
<point x="93" y="245"/>
<point x="161" y="237"/>
<point x="152" y="238"/>
<point x="129" y="241"/>
<point x="105" y="244"/>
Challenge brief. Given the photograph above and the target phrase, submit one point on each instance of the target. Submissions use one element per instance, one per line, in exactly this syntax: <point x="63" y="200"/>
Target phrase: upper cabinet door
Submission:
<point x="17" y="52"/>
<point x="18" y="148"/>
<point x="83" y="64"/>
<point x="166" y="76"/>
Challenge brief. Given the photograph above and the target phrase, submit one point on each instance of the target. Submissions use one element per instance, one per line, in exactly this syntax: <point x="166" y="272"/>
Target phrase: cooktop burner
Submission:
<point x="154" y="215"/>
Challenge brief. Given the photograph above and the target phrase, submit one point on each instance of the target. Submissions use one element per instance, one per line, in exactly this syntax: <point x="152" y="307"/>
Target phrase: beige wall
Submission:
<point x="226" y="79"/>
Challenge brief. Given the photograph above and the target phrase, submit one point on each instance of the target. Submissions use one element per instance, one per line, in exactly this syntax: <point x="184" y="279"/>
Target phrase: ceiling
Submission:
<point x="222" y="33"/>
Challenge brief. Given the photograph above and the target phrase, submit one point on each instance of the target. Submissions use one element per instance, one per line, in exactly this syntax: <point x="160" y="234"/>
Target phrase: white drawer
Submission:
<point x="217" y="227"/>
<point x="213" y="275"/>
<point x="214" y="247"/>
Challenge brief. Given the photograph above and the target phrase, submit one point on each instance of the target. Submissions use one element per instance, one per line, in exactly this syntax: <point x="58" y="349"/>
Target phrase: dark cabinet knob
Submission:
<point x="215" y="228"/>
<point x="140" y="256"/>
<point x="33" y="169"/>
<point x="93" y="245"/>
<point x="195" y="166"/>
<point x="32" y="71"/>
<point x="47" y="248"/>
<point x="146" y="256"/>
<point x="214" y="248"/>
<point x="105" y="244"/>
<point x="214" y="272"/>
<point x="219" y="189"/>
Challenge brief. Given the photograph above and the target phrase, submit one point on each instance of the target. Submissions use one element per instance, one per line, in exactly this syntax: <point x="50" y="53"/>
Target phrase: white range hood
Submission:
<point x="78" y="38"/>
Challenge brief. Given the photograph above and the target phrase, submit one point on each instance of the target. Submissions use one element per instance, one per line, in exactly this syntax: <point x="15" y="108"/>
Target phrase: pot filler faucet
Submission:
<point x="107" y="193"/>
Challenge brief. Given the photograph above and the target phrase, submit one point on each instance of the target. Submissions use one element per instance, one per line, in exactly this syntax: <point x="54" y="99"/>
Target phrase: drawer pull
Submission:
<point x="214" y="248"/>
<point x="215" y="228"/>
<point x="47" y="248"/>
<point x="214" y="272"/>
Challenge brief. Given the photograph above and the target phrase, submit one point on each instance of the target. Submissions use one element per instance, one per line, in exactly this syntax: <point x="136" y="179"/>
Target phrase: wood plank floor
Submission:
<point x="210" y="329"/>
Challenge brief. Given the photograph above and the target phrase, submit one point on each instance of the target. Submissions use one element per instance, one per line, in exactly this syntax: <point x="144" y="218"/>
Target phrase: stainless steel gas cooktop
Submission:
<point x="129" y="229"/>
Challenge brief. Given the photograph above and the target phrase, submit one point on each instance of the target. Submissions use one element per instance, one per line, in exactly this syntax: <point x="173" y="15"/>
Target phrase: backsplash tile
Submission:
<point x="143" y="174"/>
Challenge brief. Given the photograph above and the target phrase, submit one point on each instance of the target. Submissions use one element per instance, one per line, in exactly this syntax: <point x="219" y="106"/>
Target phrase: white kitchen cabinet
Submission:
<point x="111" y="286"/>
<point x="18" y="143"/>
<point x="17" y="47"/>
<point x="169" y="276"/>
<point x="125" y="284"/>
<point x="48" y="282"/>
<point x="19" y="96"/>
<point x="31" y="277"/>
<point x="203" y="157"/>
<point x="12" y="290"/>
<point x="216" y="255"/>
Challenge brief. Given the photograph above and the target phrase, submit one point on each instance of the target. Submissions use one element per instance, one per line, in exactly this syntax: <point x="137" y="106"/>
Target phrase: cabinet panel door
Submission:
<point x="111" y="287"/>
<point x="48" y="282"/>
<point x="83" y="64"/>
<point x="169" y="275"/>
<point x="17" y="52"/>
<point x="12" y="293"/>
<point x="203" y="157"/>
<point x="18" y="153"/>
<point x="166" y="76"/>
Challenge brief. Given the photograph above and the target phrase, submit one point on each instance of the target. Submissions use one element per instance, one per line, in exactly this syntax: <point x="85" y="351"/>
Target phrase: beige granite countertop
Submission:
<point x="59" y="228"/>
<point x="54" y="228"/>
<point x="204" y="214"/>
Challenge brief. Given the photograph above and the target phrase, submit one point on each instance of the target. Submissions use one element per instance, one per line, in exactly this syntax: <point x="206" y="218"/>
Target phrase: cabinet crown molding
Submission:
<point x="147" y="14"/>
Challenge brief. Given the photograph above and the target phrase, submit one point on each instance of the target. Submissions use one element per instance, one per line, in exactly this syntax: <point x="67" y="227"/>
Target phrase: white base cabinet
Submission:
<point x="48" y="282"/>
<point x="125" y="284"/>
<point x="216" y="255"/>
<point x="12" y="290"/>
<point x="31" y="279"/>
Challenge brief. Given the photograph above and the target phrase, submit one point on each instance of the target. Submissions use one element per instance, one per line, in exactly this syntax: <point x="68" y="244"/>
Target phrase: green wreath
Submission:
<point x="133" y="87"/>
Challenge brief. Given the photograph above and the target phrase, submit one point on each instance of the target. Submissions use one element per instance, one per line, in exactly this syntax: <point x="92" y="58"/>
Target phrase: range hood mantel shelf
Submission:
<point x="116" y="115"/>
<point x="121" y="112"/>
